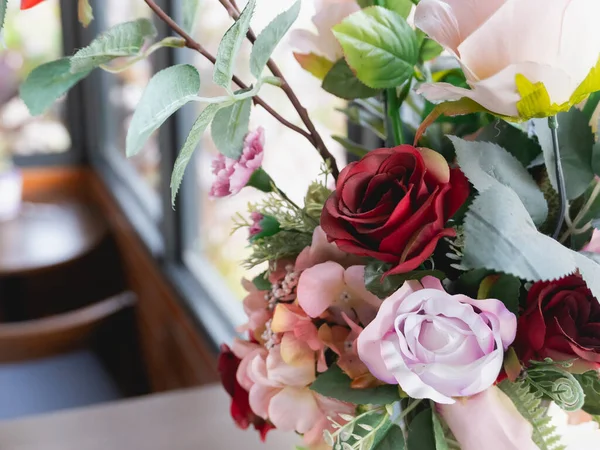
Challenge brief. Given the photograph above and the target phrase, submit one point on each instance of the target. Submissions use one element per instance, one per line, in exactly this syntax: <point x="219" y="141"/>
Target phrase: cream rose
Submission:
<point x="507" y="46"/>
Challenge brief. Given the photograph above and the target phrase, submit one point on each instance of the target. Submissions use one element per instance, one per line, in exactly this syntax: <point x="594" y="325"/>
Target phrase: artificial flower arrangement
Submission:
<point x="441" y="295"/>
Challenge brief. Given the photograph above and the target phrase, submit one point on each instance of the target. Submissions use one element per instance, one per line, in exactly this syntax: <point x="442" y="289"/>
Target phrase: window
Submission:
<point x="31" y="38"/>
<point x="212" y="250"/>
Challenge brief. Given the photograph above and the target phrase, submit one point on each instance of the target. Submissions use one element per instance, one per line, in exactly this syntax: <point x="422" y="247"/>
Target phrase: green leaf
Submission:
<point x="190" y="9"/>
<point x="341" y="82"/>
<point x="230" y="126"/>
<point x="400" y="7"/>
<point x="430" y="50"/>
<point x="366" y="118"/>
<point x="230" y="46"/>
<point x="3" y="5"/>
<point x="392" y="440"/>
<point x="384" y="287"/>
<point x="438" y="432"/>
<point x="351" y="147"/>
<point x="334" y="383"/>
<point x="500" y="236"/>
<point x="167" y="92"/>
<point x="507" y="289"/>
<point x="261" y="282"/>
<point x="486" y="164"/>
<point x="590" y="383"/>
<point x="190" y="145"/>
<point x="379" y="45"/>
<point x="576" y="141"/>
<point x="512" y="139"/>
<point x="46" y="83"/>
<point x="596" y="158"/>
<point x="421" y="434"/>
<point x="125" y="39"/>
<point x="268" y="39"/>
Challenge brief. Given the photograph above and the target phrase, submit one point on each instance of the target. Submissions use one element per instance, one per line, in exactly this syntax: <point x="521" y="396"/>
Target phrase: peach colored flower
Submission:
<point x="321" y="250"/>
<point x="256" y="307"/>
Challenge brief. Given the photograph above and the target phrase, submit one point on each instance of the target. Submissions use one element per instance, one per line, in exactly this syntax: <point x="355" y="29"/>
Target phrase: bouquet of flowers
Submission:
<point x="439" y="295"/>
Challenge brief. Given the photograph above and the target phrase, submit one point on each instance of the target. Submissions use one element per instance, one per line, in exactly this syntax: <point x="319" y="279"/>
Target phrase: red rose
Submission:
<point x="393" y="205"/>
<point x="562" y="322"/>
<point x="240" y="407"/>
<point x="26" y="4"/>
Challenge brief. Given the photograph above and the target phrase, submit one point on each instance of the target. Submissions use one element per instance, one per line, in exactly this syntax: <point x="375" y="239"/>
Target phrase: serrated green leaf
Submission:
<point x="190" y="9"/>
<point x="500" y="236"/>
<point x="590" y="383"/>
<point x="230" y="126"/>
<point x="46" y="83"/>
<point x="379" y="45"/>
<point x="268" y="39"/>
<point x="576" y="141"/>
<point x="421" y="435"/>
<point x="341" y="82"/>
<point x="384" y="287"/>
<point x="334" y="383"/>
<point x="230" y="46"/>
<point x="124" y="39"/>
<point x="485" y="164"/>
<point x="167" y="92"/>
<point x="512" y="139"/>
<point x="190" y="145"/>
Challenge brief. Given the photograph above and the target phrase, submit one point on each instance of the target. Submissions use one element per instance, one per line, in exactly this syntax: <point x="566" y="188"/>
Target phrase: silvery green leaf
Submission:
<point x="230" y="126"/>
<point x="438" y="431"/>
<point x="190" y="10"/>
<point x="500" y="236"/>
<point x="190" y="145"/>
<point x="46" y="83"/>
<point x="485" y="164"/>
<point x="268" y="39"/>
<point x="125" y="39"/>
<point x="230" y="46"/>
<point x="167" y="91"/>
<point x="576" y="142"/>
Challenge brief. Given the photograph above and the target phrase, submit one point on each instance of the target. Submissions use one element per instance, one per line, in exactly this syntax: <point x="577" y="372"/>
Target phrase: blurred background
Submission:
<point x="109" y="298"/>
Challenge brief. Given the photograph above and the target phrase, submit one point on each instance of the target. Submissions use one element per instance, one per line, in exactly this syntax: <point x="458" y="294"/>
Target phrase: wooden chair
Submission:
<point x="45" y="365"/>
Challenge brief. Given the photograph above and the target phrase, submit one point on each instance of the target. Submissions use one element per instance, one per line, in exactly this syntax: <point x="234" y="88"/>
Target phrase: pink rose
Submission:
<point x="436" y="345"/>
<point x="232" y="175"/>
<point x="489" y="421"/>
<point x="594" y="245"/>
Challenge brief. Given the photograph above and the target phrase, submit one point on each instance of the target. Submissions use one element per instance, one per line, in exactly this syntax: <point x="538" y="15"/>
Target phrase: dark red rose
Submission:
<point x="240" y="406"/>
<point x="562" y="322"/>
<point x="393" y="205"/>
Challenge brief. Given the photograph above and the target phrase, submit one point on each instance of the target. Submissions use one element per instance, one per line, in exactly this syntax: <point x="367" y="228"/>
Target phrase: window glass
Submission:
<point x="31" y="38"/>
<point x="289" y="158"/>
<point x="123" y="92"/>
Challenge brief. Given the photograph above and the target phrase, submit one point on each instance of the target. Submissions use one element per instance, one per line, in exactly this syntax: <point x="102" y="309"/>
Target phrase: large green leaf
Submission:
<point x="500" y="236"/>
<point x="46" y="83"/>
<point x="392" y="440"/>
<point x="512" y="139"/>
<point x="421" y="433"/>
<point x="125" y="39"/>
<point x="167" y="91"/>
<point x="379" y="45"/>
<point x="268" y="39"/>
<point x="190" y="9"/>
<point x="335" y="383"/>
<point x="230" y="46"/>
<point x="507" y="289"/>
<point x="485" y="164"/>
<point x="190" y="145"/>
<point x="576" y="141"/>
<point x="341" y="82"/>
<point x="230" y="126"/>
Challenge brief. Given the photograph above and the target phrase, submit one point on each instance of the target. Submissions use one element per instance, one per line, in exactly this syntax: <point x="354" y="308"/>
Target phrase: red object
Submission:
<point x="26" y="4"/>
<point x="240" y="406"/>
<point x="390" y="207"/>
<point x="561" y="321"/>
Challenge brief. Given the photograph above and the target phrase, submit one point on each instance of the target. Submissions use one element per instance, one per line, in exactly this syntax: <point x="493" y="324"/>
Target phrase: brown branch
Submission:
<point x="234" y="12"/>
<point x="194" y="45"/>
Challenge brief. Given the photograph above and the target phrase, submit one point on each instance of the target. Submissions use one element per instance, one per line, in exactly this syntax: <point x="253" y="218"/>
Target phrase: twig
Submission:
<point x="194" y="45"/>
<point x="317" y="140"/>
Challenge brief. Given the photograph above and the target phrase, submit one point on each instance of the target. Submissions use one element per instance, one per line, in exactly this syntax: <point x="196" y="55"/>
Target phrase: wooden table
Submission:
<point x="196" y="419"/>
<point x="46" y="235"/>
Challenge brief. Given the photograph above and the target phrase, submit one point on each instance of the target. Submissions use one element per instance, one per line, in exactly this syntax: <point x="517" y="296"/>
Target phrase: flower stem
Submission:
<point x="560" y="176"/>
<point x="393" y="112"/>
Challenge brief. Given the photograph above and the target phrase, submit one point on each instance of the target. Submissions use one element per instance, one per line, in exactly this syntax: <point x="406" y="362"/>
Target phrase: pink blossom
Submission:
<point x="594" y="244"/>
<point x="329" y="288"/>
<point x="280" y="393"/>
<point x="321" y="250"/>
<point x="436" y="345"/>
<point x="488" y="420"/>
<point x="256" y="307"/>
<point x="256" y="227"/>
<point x="233" y="175"/>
